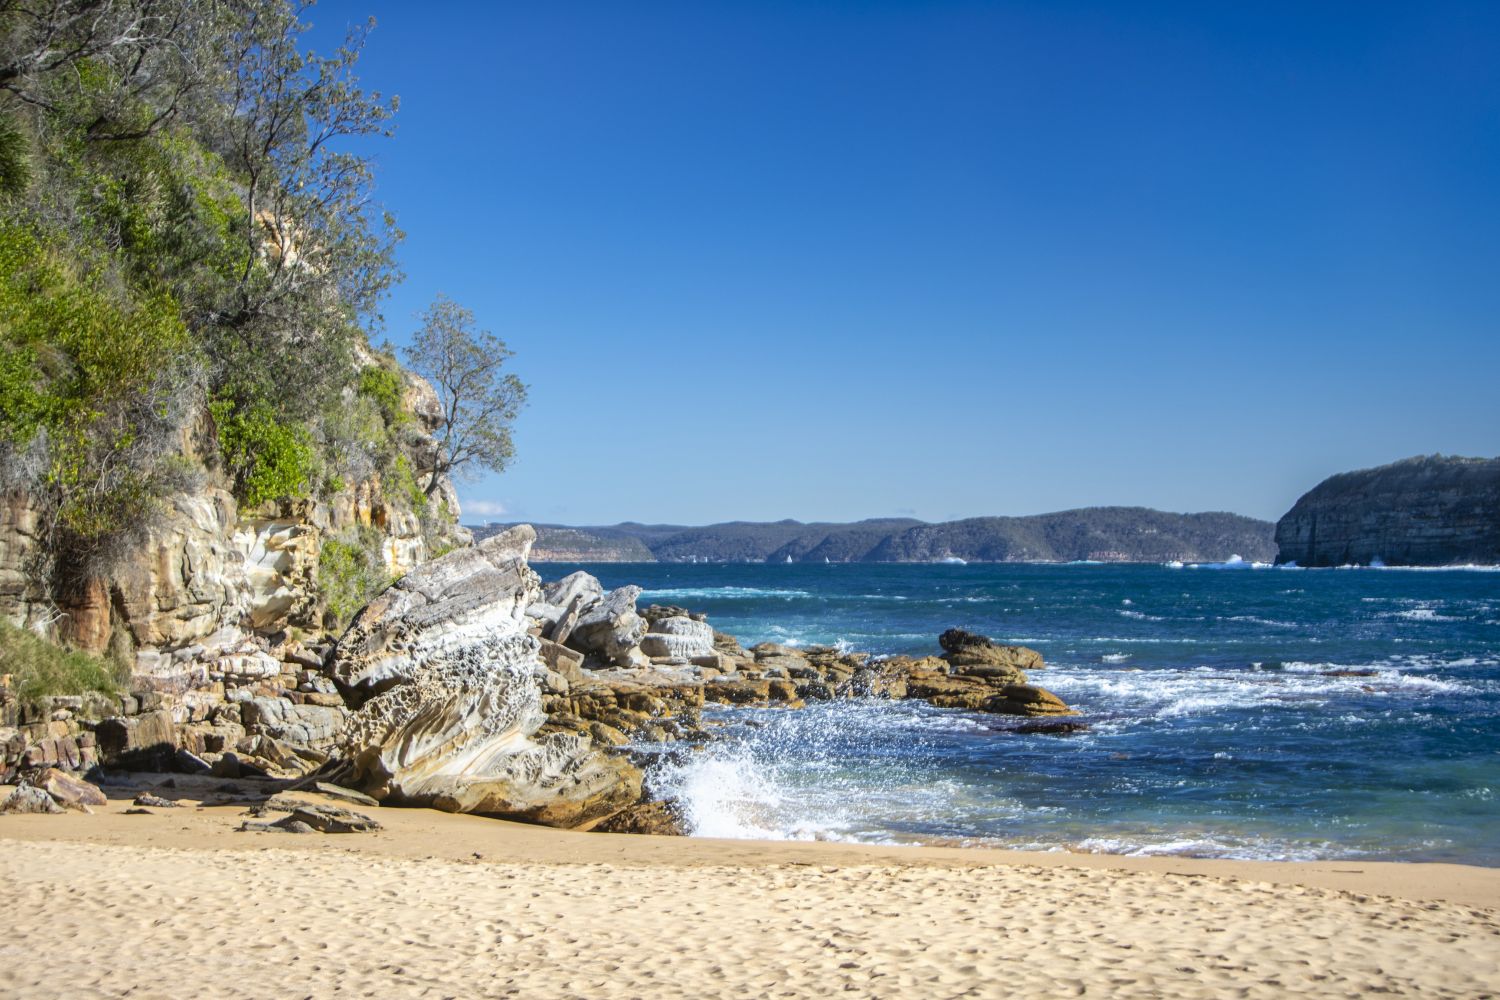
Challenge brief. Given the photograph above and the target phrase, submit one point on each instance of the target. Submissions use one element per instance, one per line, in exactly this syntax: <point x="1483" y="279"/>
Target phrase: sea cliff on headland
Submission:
<point x="1422" y="511"/>
<point x="1096" y="534"/>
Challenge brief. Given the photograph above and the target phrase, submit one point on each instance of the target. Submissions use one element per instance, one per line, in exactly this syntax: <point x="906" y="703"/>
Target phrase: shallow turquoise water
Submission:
<point x="1216" y="728"/>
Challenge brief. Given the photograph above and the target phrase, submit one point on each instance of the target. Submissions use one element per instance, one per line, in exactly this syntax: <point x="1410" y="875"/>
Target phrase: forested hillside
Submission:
<point x="1111" y="534"/>
<point x="192" y="265"/>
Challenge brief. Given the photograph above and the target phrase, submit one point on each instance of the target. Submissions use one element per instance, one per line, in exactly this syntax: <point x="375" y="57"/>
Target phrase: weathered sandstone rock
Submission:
<point x="966" y="649"/>
<point x="679" y="637"/>
<point x="453" y="684"/>
<point x="304" y="725"/>
<point x="68" y="791"/>
<point x="26" y="799"/>
<point x="574" y="586"/>
<point x="611" y="630"/>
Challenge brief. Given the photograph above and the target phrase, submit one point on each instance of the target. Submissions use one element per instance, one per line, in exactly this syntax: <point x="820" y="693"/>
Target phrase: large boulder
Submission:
<point x="679" y="637"/>
<point x="574" y="585"/>
<point x="22" y="799"/>
<point x="611" y="630"/>
<point x="971" y="653"/>
<point x="69" y="791"/>
<point x="453" y="687"/>
<point x="146" y="742"/>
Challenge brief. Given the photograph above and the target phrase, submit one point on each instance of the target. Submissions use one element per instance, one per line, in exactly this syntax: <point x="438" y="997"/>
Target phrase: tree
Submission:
<point x="479" y="400"/>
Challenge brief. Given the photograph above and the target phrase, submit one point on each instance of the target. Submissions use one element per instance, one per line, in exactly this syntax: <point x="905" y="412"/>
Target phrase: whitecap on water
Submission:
<point x="720" y="593"/>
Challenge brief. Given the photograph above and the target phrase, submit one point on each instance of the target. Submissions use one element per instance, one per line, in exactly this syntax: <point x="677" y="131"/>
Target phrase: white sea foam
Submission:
<point x="1114" y="657"/>
<point x="1233" y="562"/>
<point x="1257" y="620"/>
<point x="720" y="593"/>
<point x="1240" y="848"/>
<point x="1203" y="691"/>
<point x="1421" y="615"/>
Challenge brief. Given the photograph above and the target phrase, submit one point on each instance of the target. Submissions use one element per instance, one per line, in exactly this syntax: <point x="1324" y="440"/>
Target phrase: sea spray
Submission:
<point x="1309" y="714"/>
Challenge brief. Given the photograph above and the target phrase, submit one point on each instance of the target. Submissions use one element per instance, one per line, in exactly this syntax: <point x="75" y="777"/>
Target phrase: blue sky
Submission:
<point x="841" y="260"/>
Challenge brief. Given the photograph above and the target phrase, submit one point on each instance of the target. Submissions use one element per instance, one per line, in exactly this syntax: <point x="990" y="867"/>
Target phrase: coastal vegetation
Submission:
<point x="37" y="668"/>
<point x="479" y="399"/>
<point x="193" y="262"/>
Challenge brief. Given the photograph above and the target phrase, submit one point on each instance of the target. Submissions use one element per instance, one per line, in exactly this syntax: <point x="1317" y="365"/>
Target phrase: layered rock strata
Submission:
<point x="1425" y="511"/>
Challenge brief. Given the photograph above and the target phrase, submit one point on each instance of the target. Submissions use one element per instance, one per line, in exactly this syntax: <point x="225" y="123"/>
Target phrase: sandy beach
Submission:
<point x="178" y="903"/>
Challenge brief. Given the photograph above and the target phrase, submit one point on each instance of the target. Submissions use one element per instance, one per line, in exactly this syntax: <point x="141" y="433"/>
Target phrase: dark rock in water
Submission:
<point x="1425" y="511"/>
<point x="956" y="639"/>
<point x="662" y="819"/>
<point x="1347" y="673"/>
<point x="656" y="612"/>
<point x="968" y="650"/>
<point x="1050" y="727"/>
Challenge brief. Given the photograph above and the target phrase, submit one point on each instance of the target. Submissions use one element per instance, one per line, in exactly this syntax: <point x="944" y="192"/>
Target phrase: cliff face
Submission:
<point x="1425" y="511"/>
<point x="193" y="604"/>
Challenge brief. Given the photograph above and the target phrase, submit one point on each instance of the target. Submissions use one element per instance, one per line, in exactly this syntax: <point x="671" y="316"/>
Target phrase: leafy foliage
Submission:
<point x="267" y="458"/>
<point x="92" y="378"/>
<point x="480" y="400"/>
<point x="183" y="220"/>
<point x="350" y="574"/>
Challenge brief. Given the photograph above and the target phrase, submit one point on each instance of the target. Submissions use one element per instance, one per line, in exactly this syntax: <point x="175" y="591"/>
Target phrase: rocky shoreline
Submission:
<point x="470" y="686"/>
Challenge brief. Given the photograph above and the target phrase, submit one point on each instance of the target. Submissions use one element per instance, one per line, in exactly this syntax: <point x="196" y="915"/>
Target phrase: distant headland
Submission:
<point x="1097" y="534"/>
<point x="1429" y="510"/>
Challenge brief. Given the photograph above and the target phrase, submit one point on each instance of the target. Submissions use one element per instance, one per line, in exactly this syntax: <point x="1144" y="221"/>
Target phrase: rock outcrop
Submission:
<point x="610" y="630"/>
<point x="454" y="686"/>
<point x="447" y="691"/>
<point x="1425" y="511"/>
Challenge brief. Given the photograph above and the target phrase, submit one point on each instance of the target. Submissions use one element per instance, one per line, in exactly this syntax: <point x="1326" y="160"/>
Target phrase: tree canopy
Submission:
<point x="480" y="400"/>
<point x="192" y="259"/>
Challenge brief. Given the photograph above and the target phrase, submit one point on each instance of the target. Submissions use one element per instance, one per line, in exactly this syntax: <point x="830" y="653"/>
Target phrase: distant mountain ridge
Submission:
<point x="1430" y="510"/>
<point x="1106" y="534"/>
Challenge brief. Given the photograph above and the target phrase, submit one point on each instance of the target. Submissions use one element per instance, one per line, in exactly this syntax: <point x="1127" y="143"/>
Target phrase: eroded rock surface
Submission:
<point x="454" y="688"/>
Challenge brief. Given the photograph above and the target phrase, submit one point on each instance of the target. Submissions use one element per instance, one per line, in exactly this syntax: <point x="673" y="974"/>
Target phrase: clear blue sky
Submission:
<point x="841" y="260"/>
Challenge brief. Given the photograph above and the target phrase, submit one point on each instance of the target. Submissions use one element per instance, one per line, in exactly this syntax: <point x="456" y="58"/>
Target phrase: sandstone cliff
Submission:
<point x="196" y="599"/>
<point x="1424" y="511"/>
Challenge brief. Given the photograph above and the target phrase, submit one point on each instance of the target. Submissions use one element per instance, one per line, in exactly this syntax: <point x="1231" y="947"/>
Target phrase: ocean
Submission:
<point x="1235" y="711"/>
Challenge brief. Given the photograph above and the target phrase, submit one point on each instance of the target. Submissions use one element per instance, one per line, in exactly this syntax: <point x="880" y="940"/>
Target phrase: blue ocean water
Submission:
<point x="1225" y="720"/>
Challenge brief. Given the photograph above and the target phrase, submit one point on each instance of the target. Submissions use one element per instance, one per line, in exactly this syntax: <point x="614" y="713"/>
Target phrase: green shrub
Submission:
<point x="351" y="573"/>
<point x="268" y="459"/>
<point x="385" y="387"/>
<point x="101" y="371"/>
<point x="40" y="669"/>
<point x="15" y="165"/>
<point x="400" y="484"/>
